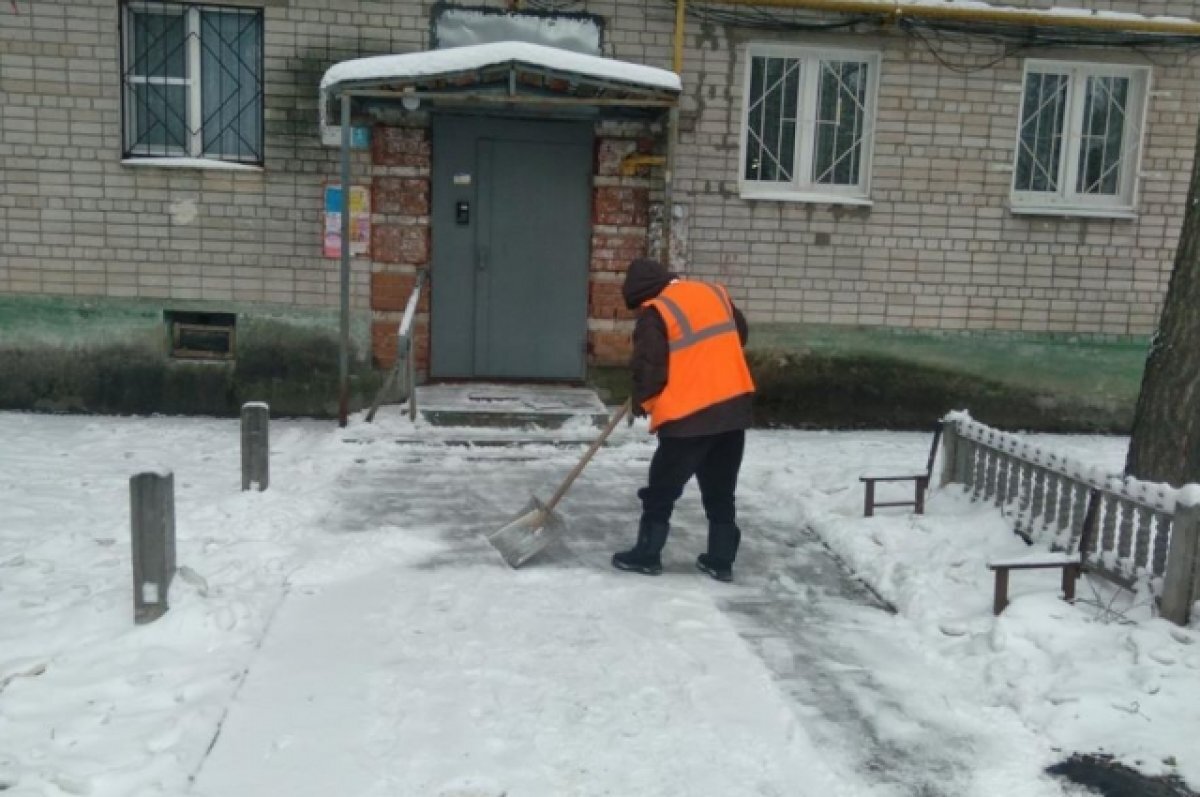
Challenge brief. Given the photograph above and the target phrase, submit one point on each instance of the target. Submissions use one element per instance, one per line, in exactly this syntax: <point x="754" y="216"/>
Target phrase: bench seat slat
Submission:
<point x="893" y="478"/>
<point x="1036" y="560"/>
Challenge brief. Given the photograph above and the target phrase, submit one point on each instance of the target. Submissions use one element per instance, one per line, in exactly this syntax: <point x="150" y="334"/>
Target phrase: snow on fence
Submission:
<point x="1138" y="529"/>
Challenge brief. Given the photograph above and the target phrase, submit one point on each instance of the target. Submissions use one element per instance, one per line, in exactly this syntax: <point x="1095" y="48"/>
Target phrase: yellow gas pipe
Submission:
<point x="897" y="9"/>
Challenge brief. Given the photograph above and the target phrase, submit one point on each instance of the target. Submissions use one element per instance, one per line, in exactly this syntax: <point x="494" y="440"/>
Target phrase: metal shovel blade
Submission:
<point x="528" y="533"/>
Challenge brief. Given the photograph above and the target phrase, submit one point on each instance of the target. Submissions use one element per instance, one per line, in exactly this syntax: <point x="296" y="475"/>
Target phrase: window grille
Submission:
<point x="841" y="122"/>
<point x="1040" y="148"/>
<point x="808" y="122"/>
<point x="193" y="81"/>
<point x="1079" y="139"/>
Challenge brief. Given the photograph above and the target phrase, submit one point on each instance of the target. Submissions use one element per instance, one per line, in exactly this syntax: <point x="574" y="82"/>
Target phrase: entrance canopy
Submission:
<point x="504" y="72"/>
<point x="500" y="76"/>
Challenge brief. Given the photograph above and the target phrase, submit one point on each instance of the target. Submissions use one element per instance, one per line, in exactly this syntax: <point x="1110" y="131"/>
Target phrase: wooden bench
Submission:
<point x="920" y="483"/>
<point x="1072" y="564"/>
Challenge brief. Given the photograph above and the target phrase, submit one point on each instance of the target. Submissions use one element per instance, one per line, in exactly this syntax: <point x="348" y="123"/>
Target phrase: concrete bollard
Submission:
<point x="256" y="445"/>
<point x="152" y="517"/>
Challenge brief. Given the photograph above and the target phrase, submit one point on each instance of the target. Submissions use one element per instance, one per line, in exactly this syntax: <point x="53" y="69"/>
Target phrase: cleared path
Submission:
<point x="423" y="666"/>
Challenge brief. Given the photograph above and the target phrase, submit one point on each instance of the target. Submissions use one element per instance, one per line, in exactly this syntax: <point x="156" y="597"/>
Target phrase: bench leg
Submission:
<point x="1071" y="574"/>
<point x="922" y="485"/>
<point x="1000" y="599"/>
<point x="868" y="498"/>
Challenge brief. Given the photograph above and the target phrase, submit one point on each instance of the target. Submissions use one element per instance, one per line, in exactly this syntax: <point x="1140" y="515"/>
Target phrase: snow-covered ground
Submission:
<point x="349" y="631"/>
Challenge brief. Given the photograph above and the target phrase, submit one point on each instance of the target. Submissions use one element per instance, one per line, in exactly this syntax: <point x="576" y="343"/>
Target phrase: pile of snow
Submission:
<point x="1101" y="676"/>
<point x="544" y="680"/>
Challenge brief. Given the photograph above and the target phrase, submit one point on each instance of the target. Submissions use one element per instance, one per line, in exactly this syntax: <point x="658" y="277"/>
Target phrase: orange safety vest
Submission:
<point x="705" y="365"/>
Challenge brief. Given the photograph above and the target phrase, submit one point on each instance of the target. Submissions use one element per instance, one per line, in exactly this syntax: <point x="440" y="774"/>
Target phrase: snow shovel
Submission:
<point x="538" y="524"/>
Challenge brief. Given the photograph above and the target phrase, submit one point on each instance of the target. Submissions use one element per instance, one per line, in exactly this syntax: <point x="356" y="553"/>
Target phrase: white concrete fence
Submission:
<point x="1133" y="529"/>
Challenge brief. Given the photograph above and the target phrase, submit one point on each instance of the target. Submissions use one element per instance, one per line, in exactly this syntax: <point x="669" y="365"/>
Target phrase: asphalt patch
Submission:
<point x="1103" y="775"/>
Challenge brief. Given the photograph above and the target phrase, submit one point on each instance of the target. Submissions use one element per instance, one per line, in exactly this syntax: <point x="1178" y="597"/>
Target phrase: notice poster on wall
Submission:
<point x="360" y="220"/>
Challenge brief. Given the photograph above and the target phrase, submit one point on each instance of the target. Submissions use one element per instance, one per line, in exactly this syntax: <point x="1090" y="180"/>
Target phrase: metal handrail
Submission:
<point x="405" y="362"/>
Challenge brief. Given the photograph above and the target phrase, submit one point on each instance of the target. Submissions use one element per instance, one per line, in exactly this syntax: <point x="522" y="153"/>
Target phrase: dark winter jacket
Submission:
<point x="643" y="282"/>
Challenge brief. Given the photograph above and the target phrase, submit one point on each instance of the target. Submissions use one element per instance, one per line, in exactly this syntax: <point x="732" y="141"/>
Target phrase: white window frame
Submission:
<point x="192" y="81"/>
<point x="1068" y="201"/>
<point x="802" y="188"/>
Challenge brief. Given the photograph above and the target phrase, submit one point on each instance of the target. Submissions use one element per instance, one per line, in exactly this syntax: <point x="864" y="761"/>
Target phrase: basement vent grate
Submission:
<point x="202" y="336"/>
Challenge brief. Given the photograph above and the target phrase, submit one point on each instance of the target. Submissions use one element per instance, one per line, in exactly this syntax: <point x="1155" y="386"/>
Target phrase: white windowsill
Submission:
<point x="1126" y="214"/>
<point x="191" y="163"/>
<point x="811" y="197"/>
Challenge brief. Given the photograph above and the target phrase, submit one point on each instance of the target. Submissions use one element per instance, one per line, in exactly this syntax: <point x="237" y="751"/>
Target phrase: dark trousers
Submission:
<point x="713" y="459"/>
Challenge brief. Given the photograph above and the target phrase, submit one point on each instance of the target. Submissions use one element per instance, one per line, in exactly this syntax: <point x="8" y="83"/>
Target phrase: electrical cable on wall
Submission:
<point x="762" y="19"/>
<point x="936" y="35"/>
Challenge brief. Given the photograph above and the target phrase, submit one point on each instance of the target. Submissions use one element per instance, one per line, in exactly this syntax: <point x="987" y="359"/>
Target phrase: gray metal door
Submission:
<point x="511" y="237"/>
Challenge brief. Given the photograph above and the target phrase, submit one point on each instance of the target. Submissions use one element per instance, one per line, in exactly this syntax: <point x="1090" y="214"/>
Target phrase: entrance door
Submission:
<point x="511" y="236"/>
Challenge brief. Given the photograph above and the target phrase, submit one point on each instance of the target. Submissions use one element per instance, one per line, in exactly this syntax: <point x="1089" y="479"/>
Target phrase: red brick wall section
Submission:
<point x="613" y="251"/>
<point x="610" y="348"/>
<point x="390" y="292"/>
<point x="400" y="237"/>
<point x="621" y="206"/>
<point x="400" y="146"/>
<point x="401" y="196"/>
<point x="400" y="243"/>
<point x="383" y="344"/>
<point x="605" y="301"/>
<point x="611" y="151"/>
<point x="620" y="232"/>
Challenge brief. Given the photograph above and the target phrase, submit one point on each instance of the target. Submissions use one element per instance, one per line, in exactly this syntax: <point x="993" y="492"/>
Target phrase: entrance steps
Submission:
<point x="516" y="406"/>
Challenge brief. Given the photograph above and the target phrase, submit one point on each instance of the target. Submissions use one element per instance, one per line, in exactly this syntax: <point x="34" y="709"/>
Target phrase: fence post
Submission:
<point x="951" y="452"/>
<point x="256" y="466"/>
<point x="152" y="517"/>
<point x="1181" y="585"/>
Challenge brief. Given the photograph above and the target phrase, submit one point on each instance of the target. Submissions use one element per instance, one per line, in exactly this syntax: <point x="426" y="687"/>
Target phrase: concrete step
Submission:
<point x="510" y="406"/>
<point x="467" y="440"/>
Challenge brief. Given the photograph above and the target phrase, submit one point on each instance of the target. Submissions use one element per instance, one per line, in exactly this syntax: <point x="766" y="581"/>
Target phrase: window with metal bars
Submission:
<point x="1079" y="138"/>
<point x="193" y="81"/>
<point x="808" y="120"/>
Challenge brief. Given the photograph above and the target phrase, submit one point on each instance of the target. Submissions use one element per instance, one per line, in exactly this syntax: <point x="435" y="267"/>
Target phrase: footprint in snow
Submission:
<point x="471" y="787"/>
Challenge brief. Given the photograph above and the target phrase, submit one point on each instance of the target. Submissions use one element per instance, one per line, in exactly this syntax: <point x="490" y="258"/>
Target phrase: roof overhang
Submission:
<point x="505" y="73"/>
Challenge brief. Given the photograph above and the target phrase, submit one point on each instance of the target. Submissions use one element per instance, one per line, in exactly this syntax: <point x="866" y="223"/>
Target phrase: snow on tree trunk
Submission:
<point x="1165" y="443"/>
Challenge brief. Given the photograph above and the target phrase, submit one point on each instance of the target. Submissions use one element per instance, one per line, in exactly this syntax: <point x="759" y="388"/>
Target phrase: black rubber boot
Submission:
<point x="644" y="557"/>
<point x="723" y="541"/>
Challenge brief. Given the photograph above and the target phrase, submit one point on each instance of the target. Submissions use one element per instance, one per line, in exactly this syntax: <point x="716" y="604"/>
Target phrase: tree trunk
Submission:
<point x="1165" y="443"/>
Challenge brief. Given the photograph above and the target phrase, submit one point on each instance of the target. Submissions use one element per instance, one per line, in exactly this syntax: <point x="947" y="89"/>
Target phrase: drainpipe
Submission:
<point x="668" y="222"/>
<point x="893" y="10"/>
<point x="680" y="14"/>
<point x="344" y="338"/>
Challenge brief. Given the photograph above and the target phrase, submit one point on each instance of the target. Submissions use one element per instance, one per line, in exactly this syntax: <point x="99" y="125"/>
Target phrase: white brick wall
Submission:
<point x="938" y="248"/>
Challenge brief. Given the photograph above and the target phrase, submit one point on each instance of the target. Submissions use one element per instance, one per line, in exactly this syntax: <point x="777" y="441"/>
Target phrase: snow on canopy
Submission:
<point x="478" y="56"/>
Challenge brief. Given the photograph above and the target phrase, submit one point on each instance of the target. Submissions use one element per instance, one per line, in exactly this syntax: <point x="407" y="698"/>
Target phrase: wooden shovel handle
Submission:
<point x="599" y="441"/>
